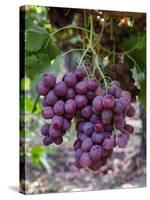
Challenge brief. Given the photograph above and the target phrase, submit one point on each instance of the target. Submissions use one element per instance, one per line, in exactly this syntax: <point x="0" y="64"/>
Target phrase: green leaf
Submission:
<point x="36" y="38"/>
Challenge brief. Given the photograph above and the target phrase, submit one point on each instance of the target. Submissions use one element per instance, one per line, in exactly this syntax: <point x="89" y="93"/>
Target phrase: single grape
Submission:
<point x="108" y="143"/>
<point x="98" y="103"/>
<point x="115" y="83"/>
<point x="49" y="80"/>
<point x="94" y="118"/>
<point x="70" y="93"/>
<point x="126" y="102"/>
<point x="99" y="126"/>
<point x="70" y="106"/>
<point x="47" y="141"/>
<point x="90" y="95"/>
<point x="41" y="89"/>
<point x="45" y="129"/>
<point x="51" y="98"/>
<point x="81" y="101"/>
<point x="111" y="91"/>
<point x="86" y="112"/>
<point x="119" y="124"/>
<point x="53" y="133"/>
<point x="117" y="92"/>
<point x="85" y="160"/>
<point x="107" y="116"/>
<point x="59" y="107"/>
<point x="129" y="128"/>
<point x="80" y="73"/>
<point x="66" y="125"/>
<point x="57" y="122"/>
<point x="92" y="85"/>
<point x="44" y="103"/>
<point x="82" y="136"/>
<point x="131" y="111"/>
<point x="70" y="79"/>
<point x="108" y="101"/>
<point x="96" y="152"/>
<point x="60" y="89"/>
<point x="81" y="87"/>
<point x="47" y="112"/>
<point x="97" y="137"/>
<point x="118" y="106"/>
<point x="87" y="144"/>
<point x="88" y="128"/>
<point x="78" y="153"/>
<point x="126" y="94"/>
<point x="58" y="140"/>
<point x="121" y="140"/>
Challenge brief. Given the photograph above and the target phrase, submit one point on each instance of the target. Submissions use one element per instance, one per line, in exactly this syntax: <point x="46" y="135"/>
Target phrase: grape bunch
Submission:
<point x="122" y="73"/>
<point x="99" y="115"/>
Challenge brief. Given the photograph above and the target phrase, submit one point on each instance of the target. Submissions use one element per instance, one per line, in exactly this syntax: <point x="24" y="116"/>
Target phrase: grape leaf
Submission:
<point x="36" y="38"/>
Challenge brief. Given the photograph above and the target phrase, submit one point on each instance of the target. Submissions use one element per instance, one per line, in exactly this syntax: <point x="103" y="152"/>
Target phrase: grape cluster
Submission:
<point x="122" y="73"/>
<point x="99" y="115"/>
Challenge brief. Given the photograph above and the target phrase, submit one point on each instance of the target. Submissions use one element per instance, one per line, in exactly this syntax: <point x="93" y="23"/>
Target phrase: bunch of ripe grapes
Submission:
<point x="99" y="113"/>
<point x="123" y="74"/>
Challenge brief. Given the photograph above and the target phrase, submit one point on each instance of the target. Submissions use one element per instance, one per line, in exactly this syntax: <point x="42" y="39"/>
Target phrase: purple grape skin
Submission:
<point x="45" y="129"/>
<point x="81" y="101"/>
<point x="108" y="143"/>
<point x="49" y="80"/>
<point x="70" y="93"/>
<point x="58" y="140"/>
<point x="60" y="89"/>
<point x="57" y="122"/>
<point x="131" y="111"/>
<point x="117" y="91"/>
<point x="107" y="116"/>
<point x="85" y="160"/>
<point x="66" y="125"/>
<point x="111" y="91"/>
<point x="69" y="116"/>
<point x="118" y="106"/>
<point x="51" y="98"/>
<point x="80" y="126"/>
<point x="108" y="101"/>
<point x="80" y="73"/>
<point x="47" y="141"/>
<point x="88" y="128"/>
<point x="78" y="153"/>
<point x="77" y="164"/>
<point x="77" y="144"/>
<point x="81" y="87"/>
<point x="126" y="102"/>
<point x="70" y="106"/>
<point x="41" y="89"/>
<point x="86" y="144"/>
<point x="47" y="112"/>
<point x="98" y="103"/>
<point x="115" y="83"/>
<point x="129" y="128"/>
<point x="94" y="118"/>
<point x="82" y="136"/>
<point x="90" y="95"/>
<point x="95" y="165"/>
<point x="70" y="79"/>
<point x="121" y="140"/>
<point x="86" y="112"/>
<point x="59" y="107"/>
<point x="54" y="133"/>
<point x="96" y="152"/>
<point x="97" y="137"/>
<point x="109" y="128"/>
<point x="119" y="124"/>
<point x="117" y="116"/>
<point x="99" y="126"/>
<point x="92" y="85"/>
<point x="126" y="94"/>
